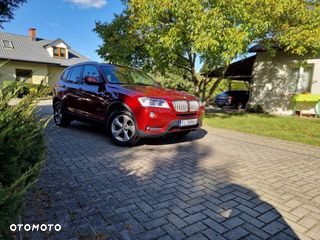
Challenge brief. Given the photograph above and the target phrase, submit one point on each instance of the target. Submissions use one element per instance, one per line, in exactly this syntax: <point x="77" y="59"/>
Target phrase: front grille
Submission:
<point x="185" y="106"/>
<point x="193" y="106"/>
<point x="180" y="105"/>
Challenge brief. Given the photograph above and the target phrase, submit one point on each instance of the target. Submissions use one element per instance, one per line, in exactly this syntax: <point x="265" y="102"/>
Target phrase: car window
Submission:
<point x="91" y="71"/>
<point x="75" y="76"/>
<point x="65" y="75"/>
<point x="126" y="75"/>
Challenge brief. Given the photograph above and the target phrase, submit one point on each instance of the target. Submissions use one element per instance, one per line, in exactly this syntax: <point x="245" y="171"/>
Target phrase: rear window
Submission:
<point x="65" y="75"/>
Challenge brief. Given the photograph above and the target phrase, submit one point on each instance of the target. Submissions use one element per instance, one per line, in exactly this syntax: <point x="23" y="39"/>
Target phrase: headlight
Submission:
<point x="153" y="102"/>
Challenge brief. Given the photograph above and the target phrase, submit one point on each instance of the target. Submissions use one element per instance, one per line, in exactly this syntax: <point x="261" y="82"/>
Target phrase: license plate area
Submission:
<point x="188" y="122"/>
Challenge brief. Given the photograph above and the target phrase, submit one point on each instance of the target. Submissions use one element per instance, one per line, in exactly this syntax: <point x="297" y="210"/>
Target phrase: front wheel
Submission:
<point x="59" y="115"/>
<point x="122" y="129"/>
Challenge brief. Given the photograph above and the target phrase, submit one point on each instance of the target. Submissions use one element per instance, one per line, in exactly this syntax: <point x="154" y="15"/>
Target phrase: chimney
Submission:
<point x="33" y="34"/>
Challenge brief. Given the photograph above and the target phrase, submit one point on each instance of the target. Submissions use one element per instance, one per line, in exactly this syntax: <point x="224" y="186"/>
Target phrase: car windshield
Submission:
<point x="126" y="75"/>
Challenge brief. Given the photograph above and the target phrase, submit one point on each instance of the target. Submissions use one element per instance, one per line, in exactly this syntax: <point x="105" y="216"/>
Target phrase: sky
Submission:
<point x="70" y="20"/>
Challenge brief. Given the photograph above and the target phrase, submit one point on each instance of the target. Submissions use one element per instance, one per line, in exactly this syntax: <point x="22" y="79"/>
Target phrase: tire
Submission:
<point x="122" y="129"/>
<point x="180" y="134"/>
<point x="59" y="115"/>
<point x="240" y="105"/>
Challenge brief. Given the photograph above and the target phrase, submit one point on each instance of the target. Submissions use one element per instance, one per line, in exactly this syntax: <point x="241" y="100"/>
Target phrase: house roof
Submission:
<point x="28" y="50"/>
<point x="56" y="42"/>
<point x="257" y="48"/>
<point x="240" y="70"/>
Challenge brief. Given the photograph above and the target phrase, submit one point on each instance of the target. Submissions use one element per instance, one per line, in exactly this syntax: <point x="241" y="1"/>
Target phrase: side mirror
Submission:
<point x="91" y="81"/>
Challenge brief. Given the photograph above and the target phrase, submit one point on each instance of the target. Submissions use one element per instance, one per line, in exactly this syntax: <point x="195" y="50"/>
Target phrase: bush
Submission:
<point x="256" y="108"/>
<point x="27" y="88"/>
<point x="7" y="82"/>
<point x="22" y="151"/>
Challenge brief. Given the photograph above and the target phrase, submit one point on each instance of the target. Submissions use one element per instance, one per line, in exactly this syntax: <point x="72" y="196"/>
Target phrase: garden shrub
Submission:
<point x="22" y="150"/>
<point x="27" y="88"/>
<point x="255" y="108"/>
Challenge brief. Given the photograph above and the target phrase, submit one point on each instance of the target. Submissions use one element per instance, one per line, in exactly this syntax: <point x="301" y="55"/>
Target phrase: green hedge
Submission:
<point x="27" y="88"/>
<point x="22" y="151"/>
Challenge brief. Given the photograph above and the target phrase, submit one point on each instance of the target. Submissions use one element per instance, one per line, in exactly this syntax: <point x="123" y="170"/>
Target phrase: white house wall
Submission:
<point x="271" y="80"/>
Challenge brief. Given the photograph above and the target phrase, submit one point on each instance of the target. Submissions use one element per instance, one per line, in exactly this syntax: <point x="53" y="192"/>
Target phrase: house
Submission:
<point x="34" y="59"/>
<point x="276" y="80"/>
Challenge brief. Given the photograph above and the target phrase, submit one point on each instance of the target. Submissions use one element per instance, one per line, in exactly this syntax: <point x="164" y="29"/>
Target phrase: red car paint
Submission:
<point x="90" y="101"/>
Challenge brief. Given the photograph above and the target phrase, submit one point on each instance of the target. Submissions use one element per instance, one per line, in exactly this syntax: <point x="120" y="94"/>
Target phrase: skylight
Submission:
<point x="7" y="44"/>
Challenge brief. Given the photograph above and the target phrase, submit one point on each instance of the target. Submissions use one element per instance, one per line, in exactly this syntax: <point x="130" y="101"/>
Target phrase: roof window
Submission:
<point x="7" y="44"/>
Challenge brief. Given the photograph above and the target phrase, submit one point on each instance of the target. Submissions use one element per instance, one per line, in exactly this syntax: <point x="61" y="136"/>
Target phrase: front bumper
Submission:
<point x="165" y="121"/>
<point x="172" y="127"/>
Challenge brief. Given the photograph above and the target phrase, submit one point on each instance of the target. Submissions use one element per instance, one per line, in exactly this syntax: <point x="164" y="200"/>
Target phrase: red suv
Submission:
<point x="126" y="100"/>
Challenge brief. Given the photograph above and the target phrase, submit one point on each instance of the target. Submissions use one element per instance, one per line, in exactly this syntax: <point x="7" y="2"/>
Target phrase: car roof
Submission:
<point x="102" y="64"/>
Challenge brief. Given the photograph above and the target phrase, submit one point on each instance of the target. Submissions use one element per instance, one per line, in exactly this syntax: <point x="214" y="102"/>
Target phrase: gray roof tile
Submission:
<point x="25" y="49"/>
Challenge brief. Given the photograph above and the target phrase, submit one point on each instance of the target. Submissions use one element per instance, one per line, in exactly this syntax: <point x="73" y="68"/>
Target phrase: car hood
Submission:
<point x="158" y="92"/>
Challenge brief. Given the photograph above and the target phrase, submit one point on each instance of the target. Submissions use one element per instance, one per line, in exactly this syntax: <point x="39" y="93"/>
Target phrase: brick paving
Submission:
<point x="212" y="184"/>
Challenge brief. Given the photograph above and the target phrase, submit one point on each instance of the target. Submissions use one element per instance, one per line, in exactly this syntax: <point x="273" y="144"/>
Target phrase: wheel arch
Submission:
<point x="55" y="99"/>
<point x="117" y="106"/>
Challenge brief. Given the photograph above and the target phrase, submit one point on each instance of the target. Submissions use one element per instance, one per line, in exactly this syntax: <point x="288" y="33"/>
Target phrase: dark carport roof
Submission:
<point x="240" y="70"/>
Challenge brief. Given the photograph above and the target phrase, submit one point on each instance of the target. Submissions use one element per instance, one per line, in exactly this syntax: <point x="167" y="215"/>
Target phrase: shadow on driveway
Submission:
<point x="162" y="189"/>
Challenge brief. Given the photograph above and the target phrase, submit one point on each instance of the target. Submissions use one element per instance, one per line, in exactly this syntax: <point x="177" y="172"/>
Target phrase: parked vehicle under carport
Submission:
<point x="232" y="98"/>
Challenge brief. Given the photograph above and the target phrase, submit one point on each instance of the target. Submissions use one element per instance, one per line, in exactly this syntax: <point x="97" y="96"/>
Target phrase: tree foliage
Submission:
<point x="174" y="33"/>
<point x="7" y="9"/>
<point x="120" y="44"/>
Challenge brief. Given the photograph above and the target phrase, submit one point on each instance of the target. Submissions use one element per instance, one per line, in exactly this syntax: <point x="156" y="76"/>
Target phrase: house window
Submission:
<point x="300" y="79"/>
<point x="7" y="44"/>
<point x="23" y="75"/>
<point x="59" y="52"/>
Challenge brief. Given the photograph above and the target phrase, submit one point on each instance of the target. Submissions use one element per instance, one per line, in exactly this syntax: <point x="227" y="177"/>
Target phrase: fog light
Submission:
<point x="152" y="114"/>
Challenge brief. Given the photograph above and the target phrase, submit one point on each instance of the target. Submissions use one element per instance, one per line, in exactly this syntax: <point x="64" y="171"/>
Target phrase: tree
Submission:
<point x="7" y="8"/>
<point x="174" y="33"/>
<point x="121" y="45"/>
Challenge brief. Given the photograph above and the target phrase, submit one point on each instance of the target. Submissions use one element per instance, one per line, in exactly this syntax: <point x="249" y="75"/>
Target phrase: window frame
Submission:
<point x="59" y="52"/>
<point x="29" y="77"/>
<point x="300" y="79"/>
<point x="4" y="41"/>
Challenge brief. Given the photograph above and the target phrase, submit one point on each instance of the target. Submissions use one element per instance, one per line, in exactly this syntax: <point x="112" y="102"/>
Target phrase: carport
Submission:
<point x="240" y="71"/>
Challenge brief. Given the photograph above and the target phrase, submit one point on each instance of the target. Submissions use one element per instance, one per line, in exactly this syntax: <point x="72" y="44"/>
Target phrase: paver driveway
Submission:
<point x="212" y="184"/>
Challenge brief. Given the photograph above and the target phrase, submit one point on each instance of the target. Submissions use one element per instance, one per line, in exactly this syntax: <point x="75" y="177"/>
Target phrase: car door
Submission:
<point x="94" y="97"/>
<point x="74" y="90"/>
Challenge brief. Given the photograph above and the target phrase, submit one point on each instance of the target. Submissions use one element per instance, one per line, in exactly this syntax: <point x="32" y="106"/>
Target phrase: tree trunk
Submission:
<point x="213" y="88"/>
<point x="195" y="81"/>
<point x="216" y="83"/>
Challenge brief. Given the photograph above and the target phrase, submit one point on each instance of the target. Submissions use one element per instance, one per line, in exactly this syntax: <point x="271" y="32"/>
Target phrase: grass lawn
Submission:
<point x="303" y="130"/>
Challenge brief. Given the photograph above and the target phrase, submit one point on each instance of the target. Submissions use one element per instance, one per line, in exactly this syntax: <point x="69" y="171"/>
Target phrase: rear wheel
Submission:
<point x="122" y="129"/>
<point x="59" y="115"/>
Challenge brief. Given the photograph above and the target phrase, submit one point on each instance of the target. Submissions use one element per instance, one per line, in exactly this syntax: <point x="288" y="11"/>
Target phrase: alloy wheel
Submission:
<point x="123" y="128"/>
<point x="57" y="113"/>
